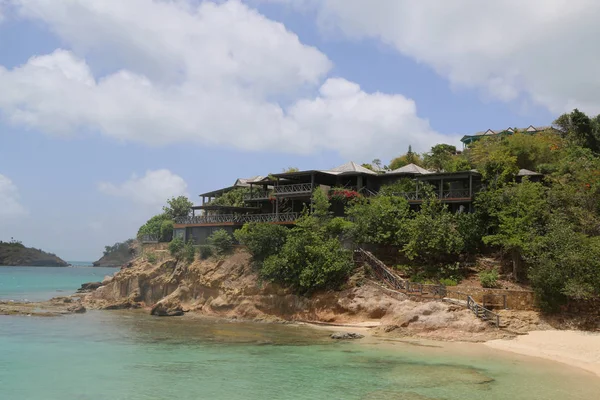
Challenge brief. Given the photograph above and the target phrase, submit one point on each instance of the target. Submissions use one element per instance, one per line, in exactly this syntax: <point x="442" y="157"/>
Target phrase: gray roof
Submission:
<point x="248" y="181"/>
<point x="350" y="167"/>
<point x="530" y="128"/>
<point x="526" y="172"/>
<point x="410" y="169"/>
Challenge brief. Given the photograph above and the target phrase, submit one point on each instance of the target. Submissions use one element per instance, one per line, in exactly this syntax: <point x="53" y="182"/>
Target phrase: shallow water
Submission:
<point x="131" y="355"/>
<point x="43" y="283"/>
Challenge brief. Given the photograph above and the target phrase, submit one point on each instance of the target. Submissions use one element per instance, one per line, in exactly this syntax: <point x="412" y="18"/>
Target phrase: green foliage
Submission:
<point x="448" y="282"/>
<point x="433" y="234"/>
<point x="233" y="198"/>
<point x="379" y="220"/>
<point x="401" y="186"/>
<point x="262" y="239"/>
<point x="518" y="216"/>
<point x="439" y="158"/>
<point x="151" y="257"/>
<point x="409" y="158"/>
<point x="312" y="257"/>
<point x="489" y="278"/>
<point x="153" y="226"/>
<point x="189" y="252"/>
<point x="222" y="241"/>
<point x="581" y="130"/>
<point x="177" y="207"/>
<point x="206" y="251"/>
<point x="119" y="247"/>
<point x="289" y="170"/>
<point x="176" y="247"/>
<point x="166" y="230"/>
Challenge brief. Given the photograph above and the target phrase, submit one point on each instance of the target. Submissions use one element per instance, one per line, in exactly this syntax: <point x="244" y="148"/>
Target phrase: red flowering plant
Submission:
<point x="343" y="195"/>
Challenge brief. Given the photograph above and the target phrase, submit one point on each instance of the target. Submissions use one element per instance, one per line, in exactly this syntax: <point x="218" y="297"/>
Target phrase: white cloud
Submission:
<point x="216" y="74"/>
<point x="152" y="190"/>
<point x="10" y="206"/>
<point x="545" y="50"/>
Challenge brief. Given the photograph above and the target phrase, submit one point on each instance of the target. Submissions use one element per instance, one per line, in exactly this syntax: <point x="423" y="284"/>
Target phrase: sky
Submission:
<point x="110" y="107"/>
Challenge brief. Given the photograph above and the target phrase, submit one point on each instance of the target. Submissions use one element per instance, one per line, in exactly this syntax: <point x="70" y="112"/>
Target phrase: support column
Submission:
<point x="441" y="188"/>
<point x="312" y="189"/>
<point x="359" y="183"/>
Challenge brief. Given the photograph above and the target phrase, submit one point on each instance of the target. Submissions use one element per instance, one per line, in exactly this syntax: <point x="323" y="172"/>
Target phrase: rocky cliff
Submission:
<point x="231" y="288"/>
<point x="16" y="254"/>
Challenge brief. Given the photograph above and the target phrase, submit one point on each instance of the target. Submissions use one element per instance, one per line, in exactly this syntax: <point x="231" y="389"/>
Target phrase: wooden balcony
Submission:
<point x="446" y="195"/>
<point x="293" y="190"/>
<point x="258" y="195"/>
<point x="237" y="219"/>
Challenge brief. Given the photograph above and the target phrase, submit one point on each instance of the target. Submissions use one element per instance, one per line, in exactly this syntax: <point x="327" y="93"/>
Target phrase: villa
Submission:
<point x="468" y="139"/>
<point x="281" y="198"/>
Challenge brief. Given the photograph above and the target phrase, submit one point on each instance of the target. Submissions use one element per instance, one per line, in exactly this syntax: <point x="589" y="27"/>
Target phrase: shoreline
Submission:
<point x="578" y="349"/>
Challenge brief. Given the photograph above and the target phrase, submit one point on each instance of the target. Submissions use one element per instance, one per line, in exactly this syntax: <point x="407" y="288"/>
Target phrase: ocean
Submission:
<point x="131" y="355"/>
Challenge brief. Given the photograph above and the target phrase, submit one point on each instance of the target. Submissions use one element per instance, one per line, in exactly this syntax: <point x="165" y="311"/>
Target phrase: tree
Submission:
<point x="439" y="157"/>
<point x="409" y="158"/>
<point x="379" y="220"/>
<point x="221" y="240"/>
<point x="233" y="198"/>
<point x="153" y="226"/>
<point x="177" y="207"/>
<point x="580" y="129"/>
<point x="519" y="213"/>
<point x="262" y="239"/>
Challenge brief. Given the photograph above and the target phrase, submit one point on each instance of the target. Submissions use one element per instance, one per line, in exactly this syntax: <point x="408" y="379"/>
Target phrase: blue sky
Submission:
<point x="108" y="108"/>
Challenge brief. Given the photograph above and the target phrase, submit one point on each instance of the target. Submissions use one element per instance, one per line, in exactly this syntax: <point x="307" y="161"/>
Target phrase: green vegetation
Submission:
<point x="206" y="251"/>
<point x="307" y="257"/>
<point x="263" y="240"/>
<point x="178" y="207"/>
<point x="233" y="198"/>
<point x="161" y="226"/>
<point x="151" y="257"/>
<point x="489" y="278"/>
<point x="222" y="241"/>
<point x="409" y="158"/>
<point x="176" y="247"/>
<point x="14" y="253"/>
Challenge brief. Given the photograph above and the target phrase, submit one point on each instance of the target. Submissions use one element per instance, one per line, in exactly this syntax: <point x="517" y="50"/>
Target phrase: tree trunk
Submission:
<point x="516" y="261"/>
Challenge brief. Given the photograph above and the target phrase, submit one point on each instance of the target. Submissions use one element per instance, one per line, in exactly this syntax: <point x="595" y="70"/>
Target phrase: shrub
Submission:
<point x="166" y="231"/>
<point x="189" y="252"/>
<point x="153" y="226"/>
<point x="206" y="251"/>
<point x="176" y="246"/>
<point x="221" y="240"/>
<point x="151" y="257"/>
<point x="448" y="282"/>
<point x="489" y="278"/>
<point x="262" y="240"/>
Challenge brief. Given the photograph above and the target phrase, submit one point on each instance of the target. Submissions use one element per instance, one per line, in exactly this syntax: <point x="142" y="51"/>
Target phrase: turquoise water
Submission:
<point x="133" y="356"/>
<point x="43" y="283"/>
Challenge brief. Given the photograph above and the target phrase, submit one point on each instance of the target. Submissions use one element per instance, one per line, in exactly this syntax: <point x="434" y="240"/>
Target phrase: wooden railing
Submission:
<point x="445" y="195"/>
<point x="237" y="218"/>
<point x="149" y="238"/>
<point x="479" y="310"/>
<point x="394" y="281"/>
<point x="258" y="195"/>
<point x="299" y="188"/>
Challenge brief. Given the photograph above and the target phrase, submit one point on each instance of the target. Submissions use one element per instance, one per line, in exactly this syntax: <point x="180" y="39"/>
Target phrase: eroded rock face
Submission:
<point x="346" y="335"/>
<point x="77" y="309"/>
<point x="166" y="310"/>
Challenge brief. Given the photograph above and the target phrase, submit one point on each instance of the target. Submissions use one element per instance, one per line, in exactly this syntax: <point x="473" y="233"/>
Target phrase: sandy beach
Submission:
<point x="575" y="348"/>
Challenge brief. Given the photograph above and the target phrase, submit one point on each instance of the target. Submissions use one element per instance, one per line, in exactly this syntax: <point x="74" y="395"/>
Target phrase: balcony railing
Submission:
<point x="236" y="218"/>
<point x="299" y="188"/>
<point x="445" y="195"/>
<point x="258" y="195"/>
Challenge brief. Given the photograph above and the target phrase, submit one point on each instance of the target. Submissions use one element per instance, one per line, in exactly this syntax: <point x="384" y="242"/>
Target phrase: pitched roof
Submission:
<point x="247" y="181"/>
<point x="410" y="169"/>
<point x="350" y="167"/>
<point x="526" y="172"/>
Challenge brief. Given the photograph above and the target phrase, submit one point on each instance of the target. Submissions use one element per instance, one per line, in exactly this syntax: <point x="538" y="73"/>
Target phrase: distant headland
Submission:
<point x="15" y="254"/>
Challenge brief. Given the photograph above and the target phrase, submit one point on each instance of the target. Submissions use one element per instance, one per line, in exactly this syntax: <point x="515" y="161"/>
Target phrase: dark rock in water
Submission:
<point x="77" y="309"/>
<point x="346" y="335"/>
<point x="89" y="287"/>
<point x="125" y="305"/>
<point x="163" y="310"/>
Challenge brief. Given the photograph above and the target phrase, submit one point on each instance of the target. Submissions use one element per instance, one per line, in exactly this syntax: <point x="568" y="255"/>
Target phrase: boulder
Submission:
<point x="346" y="335"/>
<point x="166" y="310"/>
<point x="77" y="309"/>
<point x="89" y="287"/>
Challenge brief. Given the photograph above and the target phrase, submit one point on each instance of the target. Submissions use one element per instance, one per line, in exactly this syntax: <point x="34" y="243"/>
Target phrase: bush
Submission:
<point x="221" y="240"/>
<point x="262" y="240"/>
<point x="448" y="282"/>
<point x="489" y="278"/>
<point x="166" y="231"/>
<point x="176" y="246"/>
<point x="189" y="252"/>
<point x="151" y="257"/>
<point x="153" y="226"/>
<point x="206" y="252"/>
